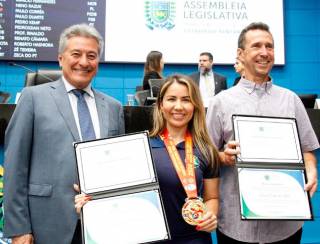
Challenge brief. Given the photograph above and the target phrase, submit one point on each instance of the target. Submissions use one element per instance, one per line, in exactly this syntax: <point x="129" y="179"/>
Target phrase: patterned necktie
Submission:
<point x="85" y="122"/>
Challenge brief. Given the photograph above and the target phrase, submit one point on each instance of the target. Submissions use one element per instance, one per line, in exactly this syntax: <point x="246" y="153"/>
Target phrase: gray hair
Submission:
<point x="83" y="30"/>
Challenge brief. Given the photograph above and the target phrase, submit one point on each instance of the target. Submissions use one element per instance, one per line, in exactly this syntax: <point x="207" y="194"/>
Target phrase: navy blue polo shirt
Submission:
<point x="173" y="194"/>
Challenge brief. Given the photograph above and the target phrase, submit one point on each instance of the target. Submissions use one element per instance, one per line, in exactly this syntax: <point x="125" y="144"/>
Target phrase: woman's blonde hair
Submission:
<point x="197" y="125"/>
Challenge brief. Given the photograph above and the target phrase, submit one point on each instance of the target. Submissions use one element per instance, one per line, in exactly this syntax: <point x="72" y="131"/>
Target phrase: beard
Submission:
<point x="204" y="70"/>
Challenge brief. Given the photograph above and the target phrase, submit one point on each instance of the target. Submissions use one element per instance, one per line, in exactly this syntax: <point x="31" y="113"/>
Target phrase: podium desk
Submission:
<point x="137" y="118"/>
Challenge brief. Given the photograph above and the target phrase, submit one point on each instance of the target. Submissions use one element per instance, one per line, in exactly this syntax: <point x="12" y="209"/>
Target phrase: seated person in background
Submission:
<point x="239" y="68"/>
<point x="153" y="68"/>
<point x="179" y="125"/>
<point x="210" y="83"/>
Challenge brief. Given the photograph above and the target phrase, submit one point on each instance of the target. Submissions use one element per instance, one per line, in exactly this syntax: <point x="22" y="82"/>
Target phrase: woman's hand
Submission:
<point x="80" y="199"/>
<point x="209" y="223"/>
<point x="23" y="239"/>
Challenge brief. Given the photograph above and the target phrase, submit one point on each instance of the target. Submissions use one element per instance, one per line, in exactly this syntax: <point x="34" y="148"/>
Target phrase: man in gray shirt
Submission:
<point x="256" y="95"/>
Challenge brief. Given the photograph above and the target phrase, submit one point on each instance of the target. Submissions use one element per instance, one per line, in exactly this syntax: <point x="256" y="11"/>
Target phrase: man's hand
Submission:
<point x="311" y="170"/>
<point x="23" y="239"/>
<point x="228" y="156"/>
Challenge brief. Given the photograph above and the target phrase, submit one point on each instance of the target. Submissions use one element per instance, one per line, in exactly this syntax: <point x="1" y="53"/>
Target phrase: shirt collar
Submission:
<point x="209" y="73"/>
<point x="156" y="142"/>
<point x="70" y="87"/>
<point x="250" y="86"/>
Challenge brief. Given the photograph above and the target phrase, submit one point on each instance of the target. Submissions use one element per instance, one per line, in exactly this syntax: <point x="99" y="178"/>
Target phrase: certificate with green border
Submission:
<point x="271" y="170"/>
<point x="273" y="194"/>
<point x="129" y="218"/>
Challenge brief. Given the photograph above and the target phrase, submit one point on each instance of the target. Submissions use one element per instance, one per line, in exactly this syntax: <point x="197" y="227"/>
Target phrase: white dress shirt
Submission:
<point x="91" y="102"/>
<point x="207" y="87"/>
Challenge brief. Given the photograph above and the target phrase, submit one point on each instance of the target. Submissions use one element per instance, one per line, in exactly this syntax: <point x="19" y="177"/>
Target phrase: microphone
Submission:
<point x="30" y="70"/>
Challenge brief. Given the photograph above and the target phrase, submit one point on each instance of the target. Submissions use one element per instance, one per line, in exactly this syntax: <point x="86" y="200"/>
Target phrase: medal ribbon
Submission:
<point x="186" y="173"/>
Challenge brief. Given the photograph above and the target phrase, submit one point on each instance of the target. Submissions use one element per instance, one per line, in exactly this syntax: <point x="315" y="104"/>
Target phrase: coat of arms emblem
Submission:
<point x="160" y="14"/>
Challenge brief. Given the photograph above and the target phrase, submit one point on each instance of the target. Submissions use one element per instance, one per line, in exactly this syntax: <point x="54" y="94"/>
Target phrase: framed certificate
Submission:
<point x="119" y="174"/>
<point x="114" y="163"/>
<point x="271" y="170"/>
<point x="139" y="215"/>
<point x="262" y="139"/>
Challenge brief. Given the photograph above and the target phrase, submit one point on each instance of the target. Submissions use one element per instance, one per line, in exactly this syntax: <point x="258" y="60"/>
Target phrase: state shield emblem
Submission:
<point x="159" y="14"/>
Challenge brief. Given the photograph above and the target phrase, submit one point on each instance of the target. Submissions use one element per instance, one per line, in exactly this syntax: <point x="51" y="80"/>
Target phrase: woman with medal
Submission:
<point x="186" y="161"/>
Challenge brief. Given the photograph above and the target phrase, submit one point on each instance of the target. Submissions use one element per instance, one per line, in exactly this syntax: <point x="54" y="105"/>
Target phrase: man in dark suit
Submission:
<point x="210" y="83"/>
<point x="40" y="164"/>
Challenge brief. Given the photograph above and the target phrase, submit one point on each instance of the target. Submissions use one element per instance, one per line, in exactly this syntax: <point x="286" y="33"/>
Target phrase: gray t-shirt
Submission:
<point x="250" y="98"/>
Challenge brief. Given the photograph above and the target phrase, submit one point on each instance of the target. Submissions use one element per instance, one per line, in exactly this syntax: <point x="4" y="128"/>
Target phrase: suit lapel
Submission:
<point x="197" y="79"/>
<point x="61" y="99"/>
<point x="103" y="114"/>
<point x="216" y="83"/>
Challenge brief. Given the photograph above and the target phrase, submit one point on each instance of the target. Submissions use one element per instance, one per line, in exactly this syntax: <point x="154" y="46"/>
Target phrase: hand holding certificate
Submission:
<point x="271" y="170"/>
<point x="124" y="190"/>
<point x="230" y="152"/>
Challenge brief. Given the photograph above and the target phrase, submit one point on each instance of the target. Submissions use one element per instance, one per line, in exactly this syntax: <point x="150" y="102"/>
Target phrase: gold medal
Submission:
<point x="193" y="211"/>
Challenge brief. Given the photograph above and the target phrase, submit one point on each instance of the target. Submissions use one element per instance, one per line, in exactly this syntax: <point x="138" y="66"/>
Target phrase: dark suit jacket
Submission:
<point x="220" y="81"/>
<point x="150" y="75"/>
<point x="40" y="161"/>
